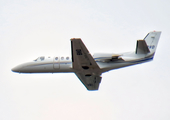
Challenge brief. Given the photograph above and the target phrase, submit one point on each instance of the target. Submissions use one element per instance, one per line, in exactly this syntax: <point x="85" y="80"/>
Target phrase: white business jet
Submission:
<point x="89" y="68"/>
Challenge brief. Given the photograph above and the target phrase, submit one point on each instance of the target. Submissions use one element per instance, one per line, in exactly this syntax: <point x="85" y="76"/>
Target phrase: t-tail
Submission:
<point x="149" y="44"/>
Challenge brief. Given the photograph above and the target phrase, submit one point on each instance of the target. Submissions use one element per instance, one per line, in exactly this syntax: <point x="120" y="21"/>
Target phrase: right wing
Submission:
<point x="91" y="82"/>
<point x="86" y="67"/>
<point x="81" y="58"/>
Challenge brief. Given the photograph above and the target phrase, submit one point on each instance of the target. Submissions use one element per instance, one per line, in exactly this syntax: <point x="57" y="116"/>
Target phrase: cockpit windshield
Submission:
<point x="40" y="58"/>
<point x="36" y="59"/>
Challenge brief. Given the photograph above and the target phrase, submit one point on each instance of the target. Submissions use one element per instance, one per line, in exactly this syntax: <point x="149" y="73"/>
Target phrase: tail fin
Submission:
<point x="141" y="47"/>
<point x="151" y="40"/>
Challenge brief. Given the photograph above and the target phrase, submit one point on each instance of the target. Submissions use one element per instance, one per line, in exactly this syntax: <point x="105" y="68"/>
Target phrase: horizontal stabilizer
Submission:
<point x="141" y="47"/>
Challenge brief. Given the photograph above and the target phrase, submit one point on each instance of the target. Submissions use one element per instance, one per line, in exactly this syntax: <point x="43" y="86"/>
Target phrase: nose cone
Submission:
<point x="17" y="68"/>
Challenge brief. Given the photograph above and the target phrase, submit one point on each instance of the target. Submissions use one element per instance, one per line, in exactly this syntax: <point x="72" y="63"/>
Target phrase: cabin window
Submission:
<point x="62" y="58"/>
<point x="67" y="58"/>
<point x="56" y="58"/>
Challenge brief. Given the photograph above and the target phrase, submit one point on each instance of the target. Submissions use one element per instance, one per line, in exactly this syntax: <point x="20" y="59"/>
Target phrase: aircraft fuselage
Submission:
<point x="64" y="64"/>
<point x="89" y="68"/>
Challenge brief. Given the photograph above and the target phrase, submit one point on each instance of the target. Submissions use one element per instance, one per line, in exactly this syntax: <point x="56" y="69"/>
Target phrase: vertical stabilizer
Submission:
<point x="141" y="47"/>
<point x="151" y="40"/>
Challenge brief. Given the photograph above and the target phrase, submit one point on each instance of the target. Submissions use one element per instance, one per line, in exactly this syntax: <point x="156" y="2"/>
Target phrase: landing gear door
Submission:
<point x="56" y="62"/>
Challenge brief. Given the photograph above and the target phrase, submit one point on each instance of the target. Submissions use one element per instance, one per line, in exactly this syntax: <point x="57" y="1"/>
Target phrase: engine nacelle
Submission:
<point x="106" y="57"/>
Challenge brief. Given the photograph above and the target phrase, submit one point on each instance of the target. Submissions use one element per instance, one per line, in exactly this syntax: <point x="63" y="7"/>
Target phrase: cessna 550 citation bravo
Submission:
<point x="89" y="68"/>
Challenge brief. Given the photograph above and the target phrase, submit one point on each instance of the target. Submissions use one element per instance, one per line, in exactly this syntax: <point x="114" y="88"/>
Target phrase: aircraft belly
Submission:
<point x="65" y="67"/>
<point x="56" y="65"/>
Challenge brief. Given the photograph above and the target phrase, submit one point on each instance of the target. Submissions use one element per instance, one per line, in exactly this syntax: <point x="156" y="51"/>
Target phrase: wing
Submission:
<point x="86" y="68"/>
<point x="91" y="82"/>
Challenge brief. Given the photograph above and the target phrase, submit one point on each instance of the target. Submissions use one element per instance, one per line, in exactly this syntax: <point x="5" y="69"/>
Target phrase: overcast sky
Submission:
<point x="32" y="28"/>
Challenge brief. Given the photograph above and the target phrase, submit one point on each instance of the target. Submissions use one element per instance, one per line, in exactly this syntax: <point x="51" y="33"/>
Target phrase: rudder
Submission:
<point x="151" y="40"/>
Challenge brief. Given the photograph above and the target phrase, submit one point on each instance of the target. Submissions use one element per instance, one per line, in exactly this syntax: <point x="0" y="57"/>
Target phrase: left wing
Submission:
<point x="86" y="68"/>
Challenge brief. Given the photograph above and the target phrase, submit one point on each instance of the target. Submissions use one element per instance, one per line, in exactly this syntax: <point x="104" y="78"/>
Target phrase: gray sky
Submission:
<point x="29" y="29"/>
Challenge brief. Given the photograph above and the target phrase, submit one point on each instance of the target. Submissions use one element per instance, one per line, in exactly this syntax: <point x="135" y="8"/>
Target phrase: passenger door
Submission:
<point x="56" y="62"/>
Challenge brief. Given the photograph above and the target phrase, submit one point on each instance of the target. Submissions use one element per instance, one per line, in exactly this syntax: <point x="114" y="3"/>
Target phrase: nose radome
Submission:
<point x="16" y="69"/>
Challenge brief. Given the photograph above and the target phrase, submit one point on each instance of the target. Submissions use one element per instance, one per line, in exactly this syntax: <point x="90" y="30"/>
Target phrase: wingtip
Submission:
<point x="155" y="31"/>
<point x="75" y="39"/>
